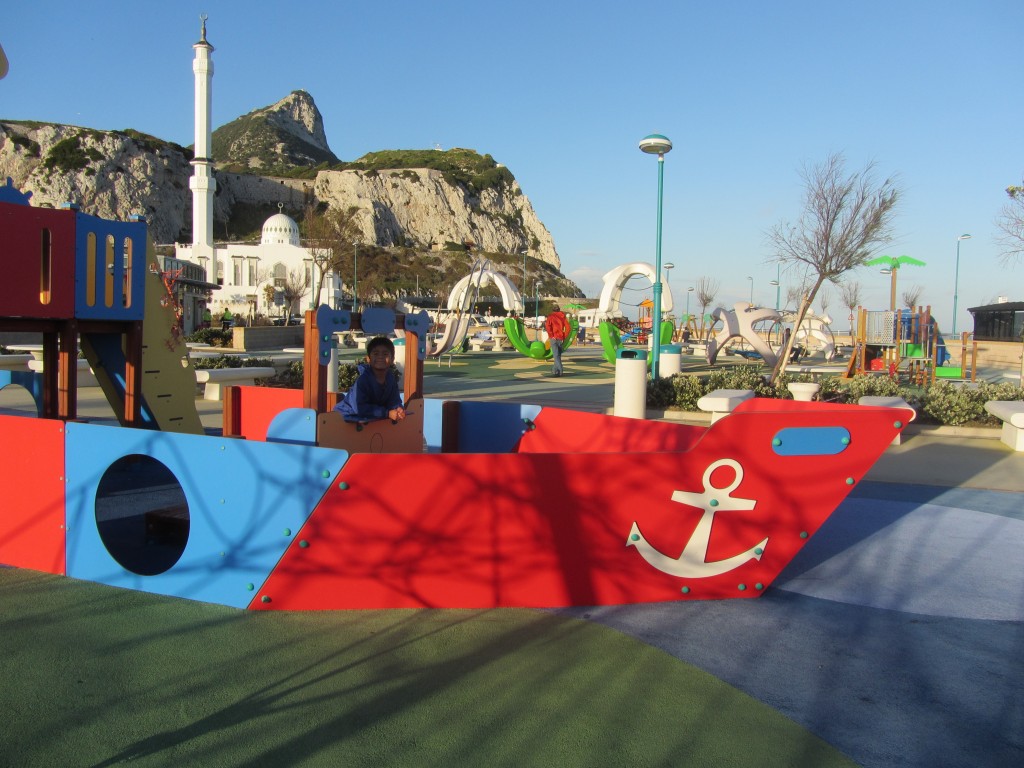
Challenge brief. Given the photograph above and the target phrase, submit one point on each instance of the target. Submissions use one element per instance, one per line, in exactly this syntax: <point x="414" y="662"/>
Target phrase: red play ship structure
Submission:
<point x="461" y="505"/>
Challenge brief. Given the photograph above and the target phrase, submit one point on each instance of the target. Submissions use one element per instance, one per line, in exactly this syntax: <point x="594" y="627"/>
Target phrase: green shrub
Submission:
<point x="949" y="404"/>
<point x="231" y="361"/>
<point x="212" y="337"/>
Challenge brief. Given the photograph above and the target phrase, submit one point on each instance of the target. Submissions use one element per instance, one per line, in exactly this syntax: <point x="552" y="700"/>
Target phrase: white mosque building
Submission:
<point x="243" y="272"/>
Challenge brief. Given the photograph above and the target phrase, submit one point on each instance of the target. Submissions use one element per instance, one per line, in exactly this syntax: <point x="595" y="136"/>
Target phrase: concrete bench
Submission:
<point x="1012" y="414"/>
<point x="721" y="402"/>
<point x="216" y="379"/>
<point x="15" y="362"/>
<point x="86" y="378"/>
<point x="889" y="401"/>
<point x="477" y="345"/>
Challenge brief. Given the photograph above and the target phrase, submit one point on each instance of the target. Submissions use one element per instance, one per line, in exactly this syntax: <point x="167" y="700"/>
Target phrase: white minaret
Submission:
<point x="202" y="183"/>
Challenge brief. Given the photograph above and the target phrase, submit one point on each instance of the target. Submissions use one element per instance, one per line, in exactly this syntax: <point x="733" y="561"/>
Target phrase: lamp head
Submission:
<point x="964" y="237"/>
<point x="655" y="144"/>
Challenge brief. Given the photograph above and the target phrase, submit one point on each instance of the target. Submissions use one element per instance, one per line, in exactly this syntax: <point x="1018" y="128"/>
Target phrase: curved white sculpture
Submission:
<point x="616" y="279"/>
<point x="511" y="299"/>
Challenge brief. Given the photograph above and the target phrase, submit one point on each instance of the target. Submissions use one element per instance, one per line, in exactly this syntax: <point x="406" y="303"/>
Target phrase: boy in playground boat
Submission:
<point x="375" y="395"/>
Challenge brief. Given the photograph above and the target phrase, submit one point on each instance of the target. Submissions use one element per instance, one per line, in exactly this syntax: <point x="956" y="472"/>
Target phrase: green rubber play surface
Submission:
<point x="101" y="676"/>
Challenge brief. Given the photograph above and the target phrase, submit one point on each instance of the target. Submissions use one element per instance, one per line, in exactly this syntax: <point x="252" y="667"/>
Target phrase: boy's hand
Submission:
<point x="396" y="414"/>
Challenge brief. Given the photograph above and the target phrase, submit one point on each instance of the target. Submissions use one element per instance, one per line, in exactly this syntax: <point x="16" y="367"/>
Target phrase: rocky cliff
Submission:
<point x="284" y="135"/>
<point x="456" y="196"/>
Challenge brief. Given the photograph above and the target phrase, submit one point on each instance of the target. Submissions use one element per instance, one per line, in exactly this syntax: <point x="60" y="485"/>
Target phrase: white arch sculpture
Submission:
<point x="461" y="299"/>
<point x="616" y="279"/>
<point x="511" y="299"/>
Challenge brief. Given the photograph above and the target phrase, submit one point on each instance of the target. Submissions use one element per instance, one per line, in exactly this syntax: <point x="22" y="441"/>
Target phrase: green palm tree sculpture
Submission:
<point x="893" y="263"/>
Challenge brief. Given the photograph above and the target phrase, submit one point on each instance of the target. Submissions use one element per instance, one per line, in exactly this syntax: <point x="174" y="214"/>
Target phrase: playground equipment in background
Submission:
<point x="902" y="343"/>
<point x="611" y="297"/>
<point x="294" y="508"/>
<point x="739" y="322"/>
<point x="612" y="338"/>
<point x="464" y="295"/>
<point x="539" y="348"/>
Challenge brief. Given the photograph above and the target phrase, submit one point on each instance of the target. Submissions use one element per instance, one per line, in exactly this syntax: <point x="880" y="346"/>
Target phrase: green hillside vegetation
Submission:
<point x="461" y="167"/>
<point x="253" y="136"/>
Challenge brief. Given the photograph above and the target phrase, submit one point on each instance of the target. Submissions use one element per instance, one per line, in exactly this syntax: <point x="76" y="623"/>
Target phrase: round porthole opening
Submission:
<point x="142" y="515"/>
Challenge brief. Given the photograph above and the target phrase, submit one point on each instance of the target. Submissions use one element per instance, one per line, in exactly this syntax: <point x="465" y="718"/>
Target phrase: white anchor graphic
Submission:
<point x="692" y="563"/>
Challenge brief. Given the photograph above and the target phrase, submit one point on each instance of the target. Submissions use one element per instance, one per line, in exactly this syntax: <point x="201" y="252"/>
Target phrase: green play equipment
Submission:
<point x="611" y="338"/>
<point x="538" y="350"/>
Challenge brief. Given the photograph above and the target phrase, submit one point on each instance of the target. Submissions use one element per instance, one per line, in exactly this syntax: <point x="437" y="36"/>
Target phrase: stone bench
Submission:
<point x="889" y="401"/>
<point x="15" y="362"/>
<point x="1012" y="414"/>
<point x="216" y="379"/>
<point x="477" y="345"/>
<point x="86" y="378"/>
<point x="721" y="402"/>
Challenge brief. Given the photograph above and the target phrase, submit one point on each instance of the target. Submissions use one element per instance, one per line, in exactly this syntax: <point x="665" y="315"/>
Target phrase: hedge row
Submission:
<point x="942" y="403"/>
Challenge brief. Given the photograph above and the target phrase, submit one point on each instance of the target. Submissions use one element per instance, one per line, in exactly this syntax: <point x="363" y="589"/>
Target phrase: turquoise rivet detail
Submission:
<point x="759" y="586"/>
<point x="343" y="486"/>
<point x="325" y="473"/>
<point x="713" y="502"/>
<point x="845" y="441"/>
<point x="327" y="338"/>
<point x="849" y="481"/>
<point x="742" y="587"/>
<point x="223" y="554"/>
<point x="803" y="534"/>
<point x="776" y="441"/>
<point x="303" y="543"/>
<point x="265" y="599"/>
<point x="250" y="586"/>
<point x="287" y="531"/>
<point x="635" y="537"/>
<point x="897" y="424"/>
<point x="758" y="551"/>
<point x="222" y="501"/>
<point x="686" y="590"/>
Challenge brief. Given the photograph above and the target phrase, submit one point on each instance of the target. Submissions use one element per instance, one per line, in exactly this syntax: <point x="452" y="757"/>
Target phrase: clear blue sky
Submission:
<point x="561" y="91"/>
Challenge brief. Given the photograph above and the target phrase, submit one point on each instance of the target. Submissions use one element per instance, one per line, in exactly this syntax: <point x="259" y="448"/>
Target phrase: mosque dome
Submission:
<point x="280" y="229"/>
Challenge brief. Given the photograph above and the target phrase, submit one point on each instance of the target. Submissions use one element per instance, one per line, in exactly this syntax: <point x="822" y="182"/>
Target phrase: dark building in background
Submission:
<point x="999" y="322"/>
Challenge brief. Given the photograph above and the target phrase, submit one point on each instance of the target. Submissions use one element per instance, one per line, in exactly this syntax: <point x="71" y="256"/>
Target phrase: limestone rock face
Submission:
<point x="422" y="206"/>
<point x="116" y="174"/>
<point x="108" y="173"/>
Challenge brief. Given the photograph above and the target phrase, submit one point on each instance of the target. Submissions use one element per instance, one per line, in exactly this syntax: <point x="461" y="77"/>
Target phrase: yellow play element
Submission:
<point x="168" y="379"/>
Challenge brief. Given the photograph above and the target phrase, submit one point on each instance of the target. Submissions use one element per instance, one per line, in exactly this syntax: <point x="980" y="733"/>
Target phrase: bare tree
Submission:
<point x="846" y="220"/>
<point x="911" y="296"/>
<point x="1011" y="224"/>
<point x="329" y="239"/>
<point x="295" y="288"/>
<point x="824" y="299"/>
<point x="851" y="299"/>
<point x="706" y="290"/>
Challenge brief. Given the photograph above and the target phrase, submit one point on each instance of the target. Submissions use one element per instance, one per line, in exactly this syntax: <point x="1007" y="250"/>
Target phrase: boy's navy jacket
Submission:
<point x="368" y="399"/>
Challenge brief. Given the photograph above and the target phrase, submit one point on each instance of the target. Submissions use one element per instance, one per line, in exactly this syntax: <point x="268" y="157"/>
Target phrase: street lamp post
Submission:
<point x="659" y="145"/>
<point x="777" y="282"/>
<point x="522" y="285"/>
<point x="751" y="289"/>
<point x="688" y="292"/>
<point x="956" y="277"/>
<point x="355" y="276"/>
